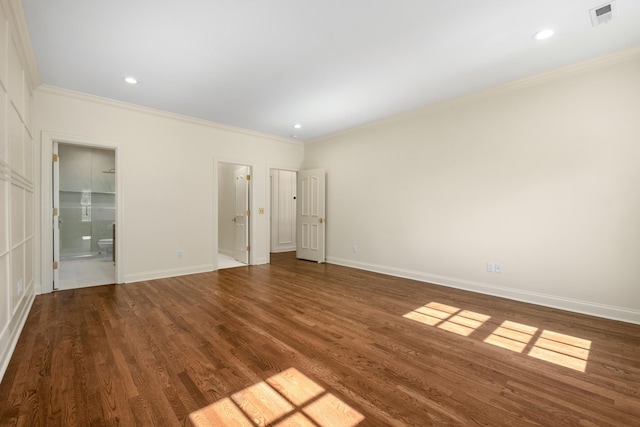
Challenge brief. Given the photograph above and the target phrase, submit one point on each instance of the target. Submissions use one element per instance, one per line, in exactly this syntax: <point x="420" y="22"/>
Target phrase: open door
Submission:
<point x="241" y="251"/>
<point x="311" y="215"/>
<point x="283" y="210"/>
<point x="56" y="216"/>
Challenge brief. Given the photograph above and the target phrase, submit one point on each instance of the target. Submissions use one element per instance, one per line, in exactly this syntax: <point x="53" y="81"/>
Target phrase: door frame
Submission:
<point x="46" y="190"/>
<point x="270" y="207"/>
<point x="253" y="167"/>
<point x="269" y="211"/>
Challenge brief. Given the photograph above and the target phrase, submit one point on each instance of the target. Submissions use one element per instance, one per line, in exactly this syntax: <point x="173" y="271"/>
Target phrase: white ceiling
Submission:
<point x="330" y="65"/>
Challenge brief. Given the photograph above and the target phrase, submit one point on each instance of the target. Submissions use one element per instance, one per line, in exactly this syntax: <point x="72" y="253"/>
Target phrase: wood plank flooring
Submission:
<point x="299" y="343"/>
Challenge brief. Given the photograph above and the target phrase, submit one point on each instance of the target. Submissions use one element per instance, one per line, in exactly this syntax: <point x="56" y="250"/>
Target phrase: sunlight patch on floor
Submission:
<point x="452" y="319"/>
<point x="565" y="350"/>
<point x="285" y="399"/>
<point x="512" y="336"/>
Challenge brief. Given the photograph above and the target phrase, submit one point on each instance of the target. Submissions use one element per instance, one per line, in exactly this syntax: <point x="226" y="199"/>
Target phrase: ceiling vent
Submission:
<point x="603" y="14"/>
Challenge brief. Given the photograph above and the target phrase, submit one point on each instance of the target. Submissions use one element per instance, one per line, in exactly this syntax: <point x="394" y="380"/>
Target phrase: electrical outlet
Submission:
<point x="498" y="268"/>
<point x="490" y="267"/>
<point x="180" y="254"/>
<point x="20" y="287"/>
<point x="355" y="249"/>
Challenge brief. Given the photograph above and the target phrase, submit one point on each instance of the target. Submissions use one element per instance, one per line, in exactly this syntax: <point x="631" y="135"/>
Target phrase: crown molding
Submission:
<point x="57" y="91"/>
<point x="18" y="25"/>
<point x="604" y="61"/>
<point x="575" y="69"/>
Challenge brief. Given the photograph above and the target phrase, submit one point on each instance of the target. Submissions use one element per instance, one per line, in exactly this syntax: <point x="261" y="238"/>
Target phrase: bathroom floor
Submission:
<point x="225" y="261"/>
<point x="85" y="272"/>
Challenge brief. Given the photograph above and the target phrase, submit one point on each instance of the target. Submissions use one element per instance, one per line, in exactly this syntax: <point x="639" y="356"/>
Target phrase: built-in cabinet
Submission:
<point x="17" y="251"/>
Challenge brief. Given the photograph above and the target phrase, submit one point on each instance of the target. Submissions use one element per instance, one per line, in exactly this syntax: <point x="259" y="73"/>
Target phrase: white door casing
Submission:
<point x="46" y="257"/>
<point x="241" y="250"/>
<point x="311" y="215"/>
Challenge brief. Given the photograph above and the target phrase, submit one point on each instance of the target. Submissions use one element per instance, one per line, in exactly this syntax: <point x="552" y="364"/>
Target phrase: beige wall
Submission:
<point x="167" y="166"/>
<point x="17" y="244"/>
<point x="541" y="176"/>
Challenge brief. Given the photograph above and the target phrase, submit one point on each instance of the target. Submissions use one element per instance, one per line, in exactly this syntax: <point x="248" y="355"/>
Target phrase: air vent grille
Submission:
<point x="603" y="14"/>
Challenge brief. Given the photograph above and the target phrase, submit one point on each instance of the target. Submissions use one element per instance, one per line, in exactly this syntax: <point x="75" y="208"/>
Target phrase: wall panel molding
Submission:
<point x="17" y="260"/>
<point x="9" y="335"/>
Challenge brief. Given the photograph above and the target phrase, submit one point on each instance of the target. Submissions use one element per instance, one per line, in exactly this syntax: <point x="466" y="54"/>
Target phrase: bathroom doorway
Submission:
<point x="84" y="193"/>
<point x="234" y="225"/>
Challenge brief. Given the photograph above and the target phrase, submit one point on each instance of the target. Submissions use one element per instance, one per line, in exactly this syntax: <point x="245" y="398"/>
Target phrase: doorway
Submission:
<point x="297" y="213"/>
<point x="234" y="225"/>
<point x="84" y="198"/>
<point x="283" y="185"/>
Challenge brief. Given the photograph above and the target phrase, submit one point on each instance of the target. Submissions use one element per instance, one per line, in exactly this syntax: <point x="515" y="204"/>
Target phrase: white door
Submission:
<point x="310" y="214"/>
<point x="241" y="219"/>
<point x="283" y="211"/>
<point x="56" y="216"/>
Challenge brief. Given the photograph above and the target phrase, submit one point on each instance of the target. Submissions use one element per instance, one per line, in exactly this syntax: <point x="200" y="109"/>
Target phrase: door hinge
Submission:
<point x="248" y="177"/>
<point x="55" y="265"/>
<point x="248" y="248"/>
<point x="55" y="212"/>
<point x="54" y="158"/>
<point x="248" y="213"/>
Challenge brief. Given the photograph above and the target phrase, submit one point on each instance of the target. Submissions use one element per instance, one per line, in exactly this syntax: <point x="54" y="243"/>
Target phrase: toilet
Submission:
<point x="107" y="246"/>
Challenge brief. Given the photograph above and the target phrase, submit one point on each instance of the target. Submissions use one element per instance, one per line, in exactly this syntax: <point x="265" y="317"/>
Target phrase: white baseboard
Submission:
<point x="9" y="336"/>
<point x="162" y="274"/>
<point x="260" y="261"/>
<point x="578" y="306"/>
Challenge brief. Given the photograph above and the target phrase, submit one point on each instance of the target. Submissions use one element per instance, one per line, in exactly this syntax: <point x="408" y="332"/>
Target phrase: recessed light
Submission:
<point x="543" y="34"/>
<point x="131" y="80"/>
<point x="297" y="126"/>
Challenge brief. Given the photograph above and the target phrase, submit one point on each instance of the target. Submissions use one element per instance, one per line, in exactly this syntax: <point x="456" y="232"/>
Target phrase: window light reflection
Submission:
<point x="564" y="350"/>
<point x="285" y="399"/>
<point x="452" y="319"/>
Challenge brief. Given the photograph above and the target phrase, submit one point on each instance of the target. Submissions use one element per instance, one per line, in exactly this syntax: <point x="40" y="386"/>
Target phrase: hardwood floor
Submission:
<point x="299" y="343"/>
